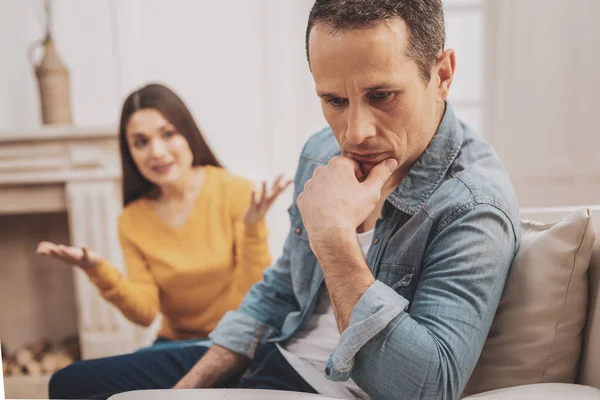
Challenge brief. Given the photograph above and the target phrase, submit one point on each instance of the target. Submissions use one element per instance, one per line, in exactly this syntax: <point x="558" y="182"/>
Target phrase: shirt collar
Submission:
<point x="427" y="172"/>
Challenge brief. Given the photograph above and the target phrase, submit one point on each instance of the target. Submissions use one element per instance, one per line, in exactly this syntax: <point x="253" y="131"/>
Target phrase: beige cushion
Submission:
<point x="536" y="335"/>
<point x="589" y="369"/>
<point x="544" y="391"/>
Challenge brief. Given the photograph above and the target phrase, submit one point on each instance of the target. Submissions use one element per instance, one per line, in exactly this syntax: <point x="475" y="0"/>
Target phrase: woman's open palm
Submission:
<point x="259" y="205"/>
<point x="80" y="256"/>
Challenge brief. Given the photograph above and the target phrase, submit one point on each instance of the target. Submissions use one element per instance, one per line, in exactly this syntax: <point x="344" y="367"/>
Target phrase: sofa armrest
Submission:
<point x="541" y="391"/>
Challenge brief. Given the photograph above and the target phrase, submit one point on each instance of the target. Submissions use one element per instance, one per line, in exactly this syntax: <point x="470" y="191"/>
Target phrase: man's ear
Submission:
<point x="445" y="66"/>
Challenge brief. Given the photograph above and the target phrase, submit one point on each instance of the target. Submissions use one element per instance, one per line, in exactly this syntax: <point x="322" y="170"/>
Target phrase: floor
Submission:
<point x="26" y="387"/>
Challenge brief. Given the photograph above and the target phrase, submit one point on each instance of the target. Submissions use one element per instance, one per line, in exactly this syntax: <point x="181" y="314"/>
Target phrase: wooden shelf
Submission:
<point x="57" y="132"/>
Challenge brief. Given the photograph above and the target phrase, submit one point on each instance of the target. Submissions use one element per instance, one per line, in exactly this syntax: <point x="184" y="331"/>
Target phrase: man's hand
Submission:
<point x="216" y="367"/>
<point x="335" y="199"/>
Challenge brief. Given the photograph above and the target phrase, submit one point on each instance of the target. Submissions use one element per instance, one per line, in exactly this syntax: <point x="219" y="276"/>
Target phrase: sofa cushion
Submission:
<point x="589" y="369"/>
<point x="543" y="391"/>
<point x="536" y="335"/>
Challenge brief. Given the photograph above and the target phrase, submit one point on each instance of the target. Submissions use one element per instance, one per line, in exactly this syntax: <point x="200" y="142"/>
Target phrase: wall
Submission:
<point x="240" y="65"/>
<point x="542" y="60"/>
<point x="83" y="37"/>
<point x="465" y="34"/>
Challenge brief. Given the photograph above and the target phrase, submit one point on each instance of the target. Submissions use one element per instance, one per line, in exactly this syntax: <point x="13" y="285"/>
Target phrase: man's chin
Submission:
<point x="365" y="168"/>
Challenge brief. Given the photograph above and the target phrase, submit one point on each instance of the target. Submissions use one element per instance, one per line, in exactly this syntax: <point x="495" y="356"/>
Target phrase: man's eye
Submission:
<point x="336" y="101"/>
<point x="380" y="96"/>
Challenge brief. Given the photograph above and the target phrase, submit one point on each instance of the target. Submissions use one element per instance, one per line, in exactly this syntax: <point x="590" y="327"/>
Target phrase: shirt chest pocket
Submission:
<point x="399" y="277"/>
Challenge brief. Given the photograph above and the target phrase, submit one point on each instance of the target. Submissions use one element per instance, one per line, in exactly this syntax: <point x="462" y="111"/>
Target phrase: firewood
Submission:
<point x="5" y="365"/>
<point x="23" y="356"/>
<point x="63" y="359"/>
<point x="13" y="369"/>
<point x="39" y="348"/>
<point x="48" y="363"/>
<point x="33" y="368"/>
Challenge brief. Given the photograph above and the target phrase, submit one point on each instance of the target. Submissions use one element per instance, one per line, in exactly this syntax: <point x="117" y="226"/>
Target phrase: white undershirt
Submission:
<point x="309" y="350"/>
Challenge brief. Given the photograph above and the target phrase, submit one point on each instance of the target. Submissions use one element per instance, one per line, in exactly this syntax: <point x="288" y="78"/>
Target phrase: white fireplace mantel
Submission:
<point x="77" y="170"/>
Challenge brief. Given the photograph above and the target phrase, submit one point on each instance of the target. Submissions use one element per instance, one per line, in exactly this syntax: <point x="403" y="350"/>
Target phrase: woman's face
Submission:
<point x="162" y="155"/>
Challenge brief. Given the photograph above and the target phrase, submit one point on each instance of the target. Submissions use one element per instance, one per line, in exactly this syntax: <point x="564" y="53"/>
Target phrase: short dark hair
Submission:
<point x="423" y="18"/>
<point x="164" y="100"/>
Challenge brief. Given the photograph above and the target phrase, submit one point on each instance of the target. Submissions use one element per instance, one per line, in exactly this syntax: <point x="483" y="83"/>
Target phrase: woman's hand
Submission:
<point x="259" y="205"/>
<point x="80" y="256"/>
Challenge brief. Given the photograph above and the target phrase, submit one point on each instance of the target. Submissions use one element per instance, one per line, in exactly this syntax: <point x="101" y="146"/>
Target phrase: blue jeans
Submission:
<point x="164" y="343"/>
<point x="162" y="369"/>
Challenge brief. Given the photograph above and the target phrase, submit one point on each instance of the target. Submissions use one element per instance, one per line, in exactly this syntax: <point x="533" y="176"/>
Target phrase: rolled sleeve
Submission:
<point x="376" y="308"/>
<point x="240" y="333"/>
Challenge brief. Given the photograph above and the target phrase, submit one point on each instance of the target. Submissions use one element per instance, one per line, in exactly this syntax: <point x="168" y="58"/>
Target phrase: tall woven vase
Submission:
<point x="53" y="83"/>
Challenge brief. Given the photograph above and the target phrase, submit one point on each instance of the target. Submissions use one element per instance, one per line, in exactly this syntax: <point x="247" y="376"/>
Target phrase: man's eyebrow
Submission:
<point x="374" y="88"/>
<point x="326" y="95"/>
<point x="381" y="86"/>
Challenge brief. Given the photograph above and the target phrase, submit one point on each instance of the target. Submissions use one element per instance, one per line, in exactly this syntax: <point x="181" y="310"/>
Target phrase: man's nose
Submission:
<point x="361" y="125"/>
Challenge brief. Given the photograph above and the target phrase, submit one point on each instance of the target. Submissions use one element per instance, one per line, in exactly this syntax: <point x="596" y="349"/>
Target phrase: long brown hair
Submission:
<point x="160" y="98"/>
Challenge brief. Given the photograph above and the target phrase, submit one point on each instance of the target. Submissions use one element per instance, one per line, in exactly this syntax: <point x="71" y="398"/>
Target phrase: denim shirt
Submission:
<point x="441" y="253"/>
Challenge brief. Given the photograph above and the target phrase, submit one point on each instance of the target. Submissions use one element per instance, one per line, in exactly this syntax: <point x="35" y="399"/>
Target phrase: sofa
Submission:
<point x="587" y="379"/>
<point x="571" y="241"/>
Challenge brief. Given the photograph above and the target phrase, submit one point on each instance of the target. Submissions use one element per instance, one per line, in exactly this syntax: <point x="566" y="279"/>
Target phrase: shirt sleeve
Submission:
<point x="136" y="296"/>
<point x="430" y="352"/>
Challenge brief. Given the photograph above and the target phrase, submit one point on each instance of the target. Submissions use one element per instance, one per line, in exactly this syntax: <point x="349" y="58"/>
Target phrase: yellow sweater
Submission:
<point x="192" y="274"/>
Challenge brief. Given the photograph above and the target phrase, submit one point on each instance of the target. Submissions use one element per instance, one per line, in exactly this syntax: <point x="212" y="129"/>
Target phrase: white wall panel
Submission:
<point x="542" y="97"/>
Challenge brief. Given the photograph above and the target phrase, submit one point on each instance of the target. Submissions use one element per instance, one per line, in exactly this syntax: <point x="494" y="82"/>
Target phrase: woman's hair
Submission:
<point x="164" y="100"/>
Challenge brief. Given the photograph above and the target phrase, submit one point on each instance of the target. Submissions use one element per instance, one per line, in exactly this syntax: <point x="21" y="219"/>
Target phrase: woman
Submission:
<point x="193" y="235"/>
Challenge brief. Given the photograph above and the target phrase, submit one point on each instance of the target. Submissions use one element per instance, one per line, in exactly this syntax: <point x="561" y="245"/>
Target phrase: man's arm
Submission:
<point x="431" y="352"/>
<point x="345" y="271"/>
<point x="334" y="202"/>
<point x="217" y="366"/>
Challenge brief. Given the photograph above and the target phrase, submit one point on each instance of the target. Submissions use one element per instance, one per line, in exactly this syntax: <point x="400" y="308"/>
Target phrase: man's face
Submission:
<point x="372" y="93"/>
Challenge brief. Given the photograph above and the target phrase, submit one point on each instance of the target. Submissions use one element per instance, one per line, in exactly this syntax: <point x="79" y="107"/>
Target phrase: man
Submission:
<point x="403" y="230"/>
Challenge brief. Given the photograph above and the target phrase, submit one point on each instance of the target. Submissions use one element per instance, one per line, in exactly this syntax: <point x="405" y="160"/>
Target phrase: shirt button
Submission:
<point x="327" y="371"/>
<point x="376" y="241"/>
<point x="298" y="231"/>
